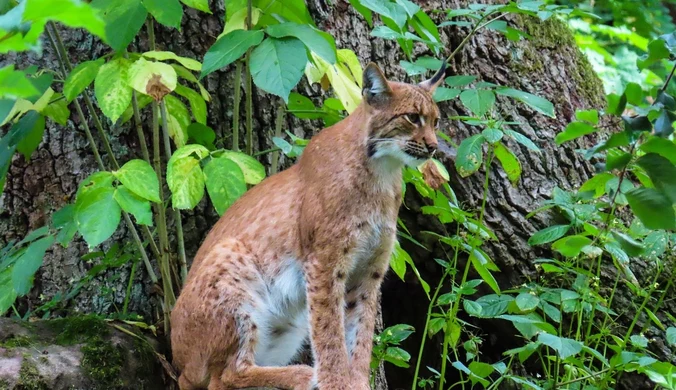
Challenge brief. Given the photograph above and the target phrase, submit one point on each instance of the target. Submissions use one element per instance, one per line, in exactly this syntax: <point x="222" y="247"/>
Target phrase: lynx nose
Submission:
<point x="431" y="147"/>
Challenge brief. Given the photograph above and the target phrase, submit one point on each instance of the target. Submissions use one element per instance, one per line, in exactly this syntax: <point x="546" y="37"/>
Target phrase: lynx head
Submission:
<point x="403" y="117"/>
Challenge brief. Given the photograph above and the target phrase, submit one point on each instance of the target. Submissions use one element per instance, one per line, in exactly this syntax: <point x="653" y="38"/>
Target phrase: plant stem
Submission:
<point x="66" y="67"/>
<point x="177" y="213"/>
<point x="127" y="295"/>
<point x="476" y="28"/>
<point x="279" y="122"/>
<point x="236" y="106"/>
<point x="248" y="89"/>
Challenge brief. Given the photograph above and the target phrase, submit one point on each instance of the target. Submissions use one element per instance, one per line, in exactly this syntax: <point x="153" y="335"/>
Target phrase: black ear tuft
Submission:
<point x="375" y="90"/>
<point x="437" y="79"/>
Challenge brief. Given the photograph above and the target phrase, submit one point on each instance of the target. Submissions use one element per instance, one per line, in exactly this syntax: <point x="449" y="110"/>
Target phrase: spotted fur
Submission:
<point x="302" y="255"/>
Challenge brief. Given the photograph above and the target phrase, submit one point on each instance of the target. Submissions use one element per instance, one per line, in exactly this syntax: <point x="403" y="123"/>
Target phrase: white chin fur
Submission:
<point x="392" y="150"/>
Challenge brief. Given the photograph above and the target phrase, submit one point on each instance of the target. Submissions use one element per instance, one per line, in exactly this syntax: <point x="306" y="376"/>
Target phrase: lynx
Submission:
<point x="303" y="254"/>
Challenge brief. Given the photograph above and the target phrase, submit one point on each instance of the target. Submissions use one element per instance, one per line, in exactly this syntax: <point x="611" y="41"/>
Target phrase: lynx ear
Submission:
<point x="437" y="79"/>
<point x="375" y="88"/>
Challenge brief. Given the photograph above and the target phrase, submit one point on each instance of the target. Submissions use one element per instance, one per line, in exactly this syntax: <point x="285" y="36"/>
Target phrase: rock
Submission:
<point x="76" y="353"/>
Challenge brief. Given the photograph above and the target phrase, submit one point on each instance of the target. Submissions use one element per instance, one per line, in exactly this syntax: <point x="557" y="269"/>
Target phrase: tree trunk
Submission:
<point x="548" y="65"/>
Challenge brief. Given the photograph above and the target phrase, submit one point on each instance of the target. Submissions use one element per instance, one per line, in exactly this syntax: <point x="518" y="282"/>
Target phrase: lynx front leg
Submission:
<point x="362" y="308"/>
<point x="326" y="300"/>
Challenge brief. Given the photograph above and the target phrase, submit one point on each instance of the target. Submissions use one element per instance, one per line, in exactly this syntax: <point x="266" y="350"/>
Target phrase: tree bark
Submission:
<point x="549" y="65"/>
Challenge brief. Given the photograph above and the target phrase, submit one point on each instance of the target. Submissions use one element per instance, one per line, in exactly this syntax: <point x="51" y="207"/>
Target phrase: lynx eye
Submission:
<point x="436" y="123"/>
<point x="413" y="118"/>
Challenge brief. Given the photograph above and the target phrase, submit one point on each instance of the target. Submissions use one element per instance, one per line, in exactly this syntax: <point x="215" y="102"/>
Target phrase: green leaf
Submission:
<point x="591" y="116"/>
<point x="671" y="335"/>
<point x="7" y="292"/>
<point x="80" y="78"/>
<point x="123" y="20"/>
<point x="225" y="182"/>
<point x="664" y="125"/>
<point x="472" y="308"/>
<point x="460" y="81"/>
<point x="398" y="261"/>
<point x="509" y="162"/>
<point x="494" y="305"/>
<point x="522" y="139"/>
<point x="637" y="123"/>
<point x="571" y="246"/>
<point x="661" y="146"/>
<point x="596" y="184"/>
<point x="201" y="5"/>
<point x="57" y="110"/>
<point x="657" y="50"/>
<point x="277" y="65"/>
<point x="229" y="48"/>
<point x="492" y="135"/>
<point x="97" y="215"/>
<point x="169" y="55"/>
<point x="548" y="234"/>
<point x="662" y="173"/>
<point x="564" y="347"/>
<point x="435" y="325"/>
<point x="485" y="274"/>
<point x="64" y="221"/>
<point x="140" y="178"/>
<point x="72" y="13"/>
<point x="639" y="340"/>
<point x="479" y="101"/>
<point x="31" y="140"/>
<point x="167" y="12"/>
<point x="151" y="78"/>
<point x="254" y="171"/>
<point x="634" y="94"/>
<point x="482" y="370"/>
<point x="387" y="9"/>
<point x="537" y="103"/>
<point x="185" y="178"/>
<point x="197" y="104"/>
<point x="666" y="100"/>
<point x="653" y="208"/>
<point x="397" y="356"/>
<point x="628" y="244"/>
<point x="134" y="205"/>
<point x="15" y="84"/>
<point x="527" y="302"/>
<point x="112" y="91"/>
<point x="94" y="181"/>
<point x="178" y="120"/>
<point x="202" y="135"/>
<point x="442" y="94"/>
<point x="617" y="161"/>
<point x="574" y="130"/>
<point x="28" y="263"/>
<point x="469" y="156"/>
<point x="308" y="35"/>
<point x="616" y="104"/>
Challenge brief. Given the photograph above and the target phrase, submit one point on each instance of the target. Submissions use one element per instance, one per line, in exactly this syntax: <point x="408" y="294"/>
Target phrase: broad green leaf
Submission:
<point x="479" y="101"/>
<point x="31" y="140"/>
<point x="64" y="221"/>
<point x="653" y="208"/>
<point x="80" y="78"/>
<point x="571" y="246"/>
<point x="628" y="244"/>
<point x="197" y="104"/>
<point x="151" y="78"/>
<point x="230" y="48"/>
<point x="345" y="77"/>
<point x="509" y="162"/>
<point x="123" y="20"/>
<point x="140" y="178"/>
<point x="460" y="81"/>
<point x="225" y="182"/>
<point x="470" y="155"/>
<point x="397" y="356"/>
<point x="412" y="69"/>
<point x="57" y="110"/>
<point x="308" y="35"/>
<point x="202" y="135"/>
<point x="564" y="347"/>
<point x="385" y="8"/>
<point x="28" y="263"/>
<point x="167" y="12"/>
<point x="254" y="171"/>
<point x="472" y="308"/>
<point x="639" y="340"/>
<point x="485" y="274"/>
<point x="185" y="178"/>
<point x="548" y="234"/>
<point x="671" y="334"/>
<point x="14" y="84"/>
<point x="596" y="184"/>
<point x="365" y="12"/>
<point x="634" y="94"/>
<point x="591" y="116"/>
<point x="237" y="20"/>
<point x="111" y="88"/>
<point x="186" y="74"/>
<point x="277" y="65"/>
<point x="482" y="370"/>
<point x="97" y="215"/>
<point x="442" y="94"/>
<point x="637" y="123"/>
<point x="522" y="139"/>
<point x="662" y="172"/>
<point x="666" y="100"/>
<point x="664" y="147"/>
<point x="537" y="103"/>
<point x="72" y="13"/>
<point x="494" y="305"/>
<point x="574" y="130"/>
<point x="179" y="120"/>
<point x="617" y="160"/>
<point x="664" y="124"/>
<point x="492" y="135"/>
<point x="94" y="181"/>
<point x="7" y="292"/>
<point x="170" y="55"/>
<point x="201" y="5"/>
<point x="398" y="261"/>
<point x="435" y="325"/>
<point x="527" y="301"/>
<point x="134" y="205"/>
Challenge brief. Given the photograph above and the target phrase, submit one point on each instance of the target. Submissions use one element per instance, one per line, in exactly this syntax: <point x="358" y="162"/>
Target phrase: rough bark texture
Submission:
<point x="548" y="65"/>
